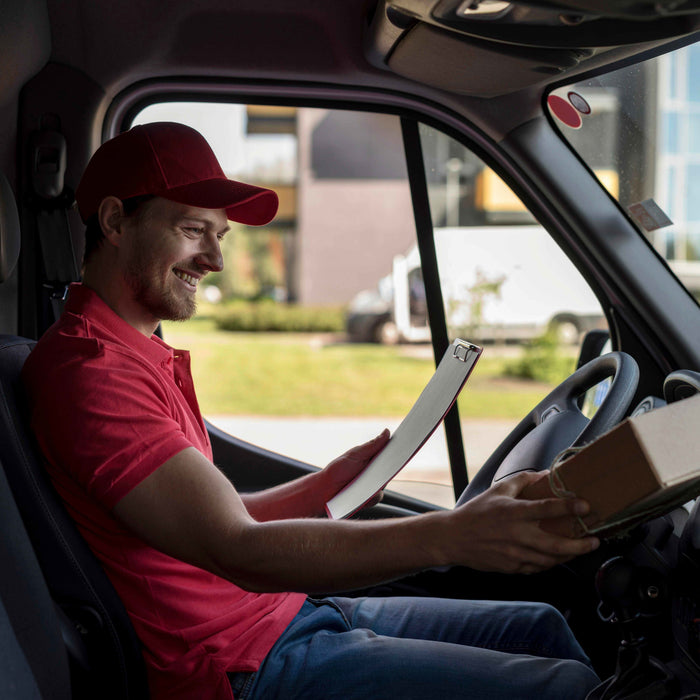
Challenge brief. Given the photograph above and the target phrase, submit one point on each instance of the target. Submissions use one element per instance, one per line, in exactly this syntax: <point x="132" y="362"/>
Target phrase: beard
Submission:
<point x="160" y="300"/>
<point x="164" y="304"/>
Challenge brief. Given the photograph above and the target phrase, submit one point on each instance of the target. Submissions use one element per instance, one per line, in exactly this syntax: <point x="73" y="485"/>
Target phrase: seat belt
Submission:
<point x="50" y="200"/>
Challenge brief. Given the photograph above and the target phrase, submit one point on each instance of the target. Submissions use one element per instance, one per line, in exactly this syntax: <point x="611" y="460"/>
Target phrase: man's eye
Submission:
<point x="194" y="230"/>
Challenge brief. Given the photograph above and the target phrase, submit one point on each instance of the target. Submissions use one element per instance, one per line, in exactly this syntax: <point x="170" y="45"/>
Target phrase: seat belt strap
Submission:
<point x="50" y="201"/>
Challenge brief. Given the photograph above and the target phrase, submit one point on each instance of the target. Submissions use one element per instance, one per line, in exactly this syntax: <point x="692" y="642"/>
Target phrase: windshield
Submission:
<point x="638" y="129"/>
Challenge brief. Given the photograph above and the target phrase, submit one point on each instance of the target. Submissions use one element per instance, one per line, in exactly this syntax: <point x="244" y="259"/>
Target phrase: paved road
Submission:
<point x="318" y="440"/>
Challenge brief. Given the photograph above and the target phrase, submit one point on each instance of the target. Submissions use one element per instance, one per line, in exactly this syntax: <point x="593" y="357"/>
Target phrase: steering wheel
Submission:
<point x="557" y="422"/>
<point x="681" y="384"/>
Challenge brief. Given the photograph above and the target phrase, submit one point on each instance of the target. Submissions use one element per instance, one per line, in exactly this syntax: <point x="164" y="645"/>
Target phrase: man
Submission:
<point x="212" y="578"/>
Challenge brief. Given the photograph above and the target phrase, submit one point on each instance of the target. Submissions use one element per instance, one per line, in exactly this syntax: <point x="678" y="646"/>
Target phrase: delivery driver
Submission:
<point x="216" y="582"/>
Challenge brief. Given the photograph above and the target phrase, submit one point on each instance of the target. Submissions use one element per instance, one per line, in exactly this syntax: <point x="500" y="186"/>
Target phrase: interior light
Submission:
<point x="483" y="9"/>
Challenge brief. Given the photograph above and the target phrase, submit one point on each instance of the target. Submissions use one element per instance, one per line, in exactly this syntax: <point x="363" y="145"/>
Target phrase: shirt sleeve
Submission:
<point x="109" y="423"/>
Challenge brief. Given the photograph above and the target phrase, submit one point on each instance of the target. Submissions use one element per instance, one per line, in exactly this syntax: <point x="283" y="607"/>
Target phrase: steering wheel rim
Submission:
<point x="557" y="423"/>
<point x="681" y="384"/>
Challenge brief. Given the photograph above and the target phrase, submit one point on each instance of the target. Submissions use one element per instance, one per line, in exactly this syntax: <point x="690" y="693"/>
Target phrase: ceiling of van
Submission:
<point x="431" y="42"/>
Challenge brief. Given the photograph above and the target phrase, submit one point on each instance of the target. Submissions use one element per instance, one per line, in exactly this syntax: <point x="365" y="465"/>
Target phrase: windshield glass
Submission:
<point x="638" y="128"/>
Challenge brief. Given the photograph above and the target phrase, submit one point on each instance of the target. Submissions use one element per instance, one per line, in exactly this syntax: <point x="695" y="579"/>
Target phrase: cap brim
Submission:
<point x="244" y="203"/>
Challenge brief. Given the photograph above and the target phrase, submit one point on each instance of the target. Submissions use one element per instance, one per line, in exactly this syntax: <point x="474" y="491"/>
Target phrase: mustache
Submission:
<point x="195" y="270"/>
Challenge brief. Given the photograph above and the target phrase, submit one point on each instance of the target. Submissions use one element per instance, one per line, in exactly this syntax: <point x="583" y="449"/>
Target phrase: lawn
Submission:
<point x="309" y="375"/>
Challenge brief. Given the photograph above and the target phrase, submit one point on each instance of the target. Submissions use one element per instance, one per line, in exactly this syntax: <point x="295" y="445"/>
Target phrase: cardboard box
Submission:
<point x="642" y="468"/>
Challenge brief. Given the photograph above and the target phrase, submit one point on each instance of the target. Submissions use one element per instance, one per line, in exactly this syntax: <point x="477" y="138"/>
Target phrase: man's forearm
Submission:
<point x="302" y="498"/>
<point x="190" y="511"/>
<point x="325" y="556"/>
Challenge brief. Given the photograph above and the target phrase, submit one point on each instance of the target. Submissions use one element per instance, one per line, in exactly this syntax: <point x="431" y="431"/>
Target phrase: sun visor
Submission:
<point x="440" y="43"/>
<point x="469" y="66"/>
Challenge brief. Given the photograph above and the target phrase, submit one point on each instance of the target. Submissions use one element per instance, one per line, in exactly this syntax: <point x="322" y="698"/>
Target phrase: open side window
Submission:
<point x="392" y="238"/>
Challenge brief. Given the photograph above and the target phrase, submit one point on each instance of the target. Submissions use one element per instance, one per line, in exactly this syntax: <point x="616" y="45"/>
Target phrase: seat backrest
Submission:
<point x="17" y="680"/>
<point x="32" y="649"/>
<point x="75" y="578"/>
<point x="105" y="654"/>
<point x="9" y="230"/>
<point x="33" y="659"/>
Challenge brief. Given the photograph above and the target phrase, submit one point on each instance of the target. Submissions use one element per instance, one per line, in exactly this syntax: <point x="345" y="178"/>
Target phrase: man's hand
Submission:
<point x="497" y="531"/>
<point x="342" y="470"/>
<point x="306" y="497"/>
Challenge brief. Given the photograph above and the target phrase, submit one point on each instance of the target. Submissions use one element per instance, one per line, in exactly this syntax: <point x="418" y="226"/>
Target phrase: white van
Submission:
<point x="499" y="283"/>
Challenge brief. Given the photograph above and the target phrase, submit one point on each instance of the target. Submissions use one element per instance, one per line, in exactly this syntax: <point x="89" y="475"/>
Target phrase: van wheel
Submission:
<point x="566" y="331"/>
<point x="387" y="333"/>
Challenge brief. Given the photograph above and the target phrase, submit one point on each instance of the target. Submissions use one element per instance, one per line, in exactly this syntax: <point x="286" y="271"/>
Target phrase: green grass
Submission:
<point x="297" y="375"/>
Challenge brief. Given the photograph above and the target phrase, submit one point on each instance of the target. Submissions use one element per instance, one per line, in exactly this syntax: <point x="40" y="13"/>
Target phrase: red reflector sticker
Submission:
<point x="564" y="111"/>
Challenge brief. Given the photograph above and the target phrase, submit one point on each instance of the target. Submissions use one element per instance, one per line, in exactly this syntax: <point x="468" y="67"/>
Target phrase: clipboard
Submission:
<point x="419" y="424"/>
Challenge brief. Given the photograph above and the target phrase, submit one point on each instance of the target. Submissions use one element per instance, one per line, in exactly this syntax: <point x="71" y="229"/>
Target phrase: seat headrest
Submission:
<point x="9" y="229"/>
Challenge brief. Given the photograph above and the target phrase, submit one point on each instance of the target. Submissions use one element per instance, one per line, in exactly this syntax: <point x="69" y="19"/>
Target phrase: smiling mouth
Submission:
<point x="189" y="279"/>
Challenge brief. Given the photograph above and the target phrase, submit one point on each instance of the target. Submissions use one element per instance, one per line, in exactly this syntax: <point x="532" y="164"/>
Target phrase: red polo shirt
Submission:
<point x="110" y="406"/>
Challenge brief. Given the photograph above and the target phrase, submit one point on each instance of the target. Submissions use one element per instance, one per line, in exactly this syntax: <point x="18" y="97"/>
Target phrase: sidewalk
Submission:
<point x="319" y="440"/>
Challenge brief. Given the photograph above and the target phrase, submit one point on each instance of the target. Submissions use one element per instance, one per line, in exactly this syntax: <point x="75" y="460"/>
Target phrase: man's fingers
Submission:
<point x="542" y="549"/>
<point x="542" y="508"/>
<point x="565" y="548"/>
<point x="533" y="550"/>
<point x="369" y="448"/>
<point x="377" y="498"/>
<point x="556" y="508"/>
<point x="343" y="469"/>
<point x="513" y="485"/>
<point x="567" y="512"/>
<point x="381" y="439"/>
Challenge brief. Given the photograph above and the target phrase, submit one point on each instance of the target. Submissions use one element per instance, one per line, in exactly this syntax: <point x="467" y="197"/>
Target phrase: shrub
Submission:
<point x="275" y="317"/>
<point x="543" y="361"/>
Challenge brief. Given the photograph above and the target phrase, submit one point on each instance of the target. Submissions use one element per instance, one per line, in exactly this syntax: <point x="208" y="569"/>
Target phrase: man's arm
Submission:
<point x="189" y="510"/>
<point x="307" y="496"/>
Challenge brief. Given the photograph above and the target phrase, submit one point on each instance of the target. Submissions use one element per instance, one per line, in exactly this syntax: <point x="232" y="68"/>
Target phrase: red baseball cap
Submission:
<point x="173" y="161"/>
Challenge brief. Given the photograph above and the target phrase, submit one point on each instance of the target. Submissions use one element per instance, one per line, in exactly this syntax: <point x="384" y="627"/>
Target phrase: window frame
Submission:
<point x="411" y="111"/>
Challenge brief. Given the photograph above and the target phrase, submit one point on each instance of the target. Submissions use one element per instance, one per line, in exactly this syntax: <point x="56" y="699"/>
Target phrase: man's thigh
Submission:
<point x="411" y="649"/>
<point x="515" y="627"/>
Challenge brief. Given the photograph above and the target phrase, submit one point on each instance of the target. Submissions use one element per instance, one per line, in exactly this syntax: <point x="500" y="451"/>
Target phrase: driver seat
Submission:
<point x="105" y="654"/>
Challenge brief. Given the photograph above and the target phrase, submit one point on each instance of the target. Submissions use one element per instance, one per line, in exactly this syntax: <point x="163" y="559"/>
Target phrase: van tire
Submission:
<point x="566" y="329"/>
<point x="387" y="333"/>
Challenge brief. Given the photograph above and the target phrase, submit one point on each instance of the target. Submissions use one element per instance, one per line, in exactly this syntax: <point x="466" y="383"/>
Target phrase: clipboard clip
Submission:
<point x="462" y="351"/>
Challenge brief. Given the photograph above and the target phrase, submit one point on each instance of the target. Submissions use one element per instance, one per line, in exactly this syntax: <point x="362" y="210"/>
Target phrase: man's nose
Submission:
<point x="210" y="258"/>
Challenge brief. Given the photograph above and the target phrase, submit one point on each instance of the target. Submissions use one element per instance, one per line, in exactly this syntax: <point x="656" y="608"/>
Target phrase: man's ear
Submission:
<point x="110" y="215"/>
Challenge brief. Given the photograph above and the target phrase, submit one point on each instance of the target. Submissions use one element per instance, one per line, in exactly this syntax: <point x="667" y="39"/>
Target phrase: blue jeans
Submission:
<point x="387" y="648"/>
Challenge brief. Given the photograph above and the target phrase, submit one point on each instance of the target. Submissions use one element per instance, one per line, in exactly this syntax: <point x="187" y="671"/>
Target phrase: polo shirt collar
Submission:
<point x="83" y="301"/>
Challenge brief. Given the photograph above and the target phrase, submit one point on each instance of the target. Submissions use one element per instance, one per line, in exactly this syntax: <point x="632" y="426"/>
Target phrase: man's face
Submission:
<point x="169" y="248"/>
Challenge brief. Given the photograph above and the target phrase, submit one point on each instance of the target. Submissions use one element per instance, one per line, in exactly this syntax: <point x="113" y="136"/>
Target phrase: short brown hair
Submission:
<point x="94" y="236"/>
